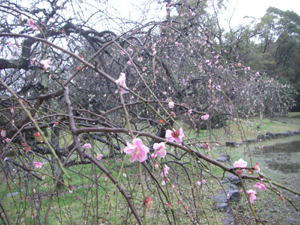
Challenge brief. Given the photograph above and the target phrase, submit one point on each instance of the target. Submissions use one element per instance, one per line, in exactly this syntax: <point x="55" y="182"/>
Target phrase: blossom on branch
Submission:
<point x="45" y="63"/>
<point x="251" y="195"/>
<point x="38" y="137"/>
<point x="257" y="168"/>
<point x="240" y="163"/>
<point x="122" y="81"/>
<point x="160" y="149"/>
<point x="153" y="155"/>
<point x="38" y="164"/>
<point x="31" y="24"/>
<point x="165" y="172"/>
<point x="137" y="150"/>
<point x="3" y="133"/>
<point x="205" y="117"/>
<point x="171" y="105"/>
<point x="87" y="145"/>
<point x="176" y="136"/>
<point x="260" y="186"/>
<point x="99" y="156"/>
<point x="281" y="197"/>
<point x="148" y="203"/>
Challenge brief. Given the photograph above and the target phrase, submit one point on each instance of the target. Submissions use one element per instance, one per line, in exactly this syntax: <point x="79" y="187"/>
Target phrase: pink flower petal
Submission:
<point x="38" y="164"/>
<point x="137" y="150"/>
<point x="122" y="81"/>
<point x="87" y="145"/>
<point x="99" y="156"/>
<point x="240" y="163"/>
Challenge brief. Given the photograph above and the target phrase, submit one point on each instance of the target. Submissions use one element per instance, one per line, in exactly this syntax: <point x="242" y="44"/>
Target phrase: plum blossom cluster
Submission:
<point x="139" y="151"/>
<point x="261" y="186"/>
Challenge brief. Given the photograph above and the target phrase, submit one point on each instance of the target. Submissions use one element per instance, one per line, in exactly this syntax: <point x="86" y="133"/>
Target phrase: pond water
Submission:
<point x="284" y="157"/>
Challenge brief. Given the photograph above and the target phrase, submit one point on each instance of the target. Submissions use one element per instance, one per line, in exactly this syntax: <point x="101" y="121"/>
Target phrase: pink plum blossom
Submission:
<point x="205" y="117"/>
<point x="153" y="155"/>
<point x="31" y="24"/>
<point x="240" y="163"/>
<point x="164" y="181"/>
<point x="204" y="181"/>
<point x="99" y="156"/>
<point x="137" y="150"/>
<point x="166" y="171"/>
<point x="3" y="133"/>
<point x="148" y="203"/>
<point x="281" y="197"/>
<point x="45" y="63"/>
<point x="177" y="136"/>
<point x="38" y="164"/>
<point x="251" y="195"/>
<point x="160" y="149"/>
<point x="257" y="168"/>
<point x="171" y="105"/>
<point x="87" y="145"/>
<point x="260" y="186"/>
<point x="121" y="81"/>
<point x="169" y="205"/>
<point x="7" y="140"/>
<point x="199" y="183"/>
<point x="190" y="111"/>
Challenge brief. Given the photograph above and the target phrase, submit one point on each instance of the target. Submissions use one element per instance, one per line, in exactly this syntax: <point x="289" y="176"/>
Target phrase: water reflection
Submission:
<point x="284" y="157"/>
